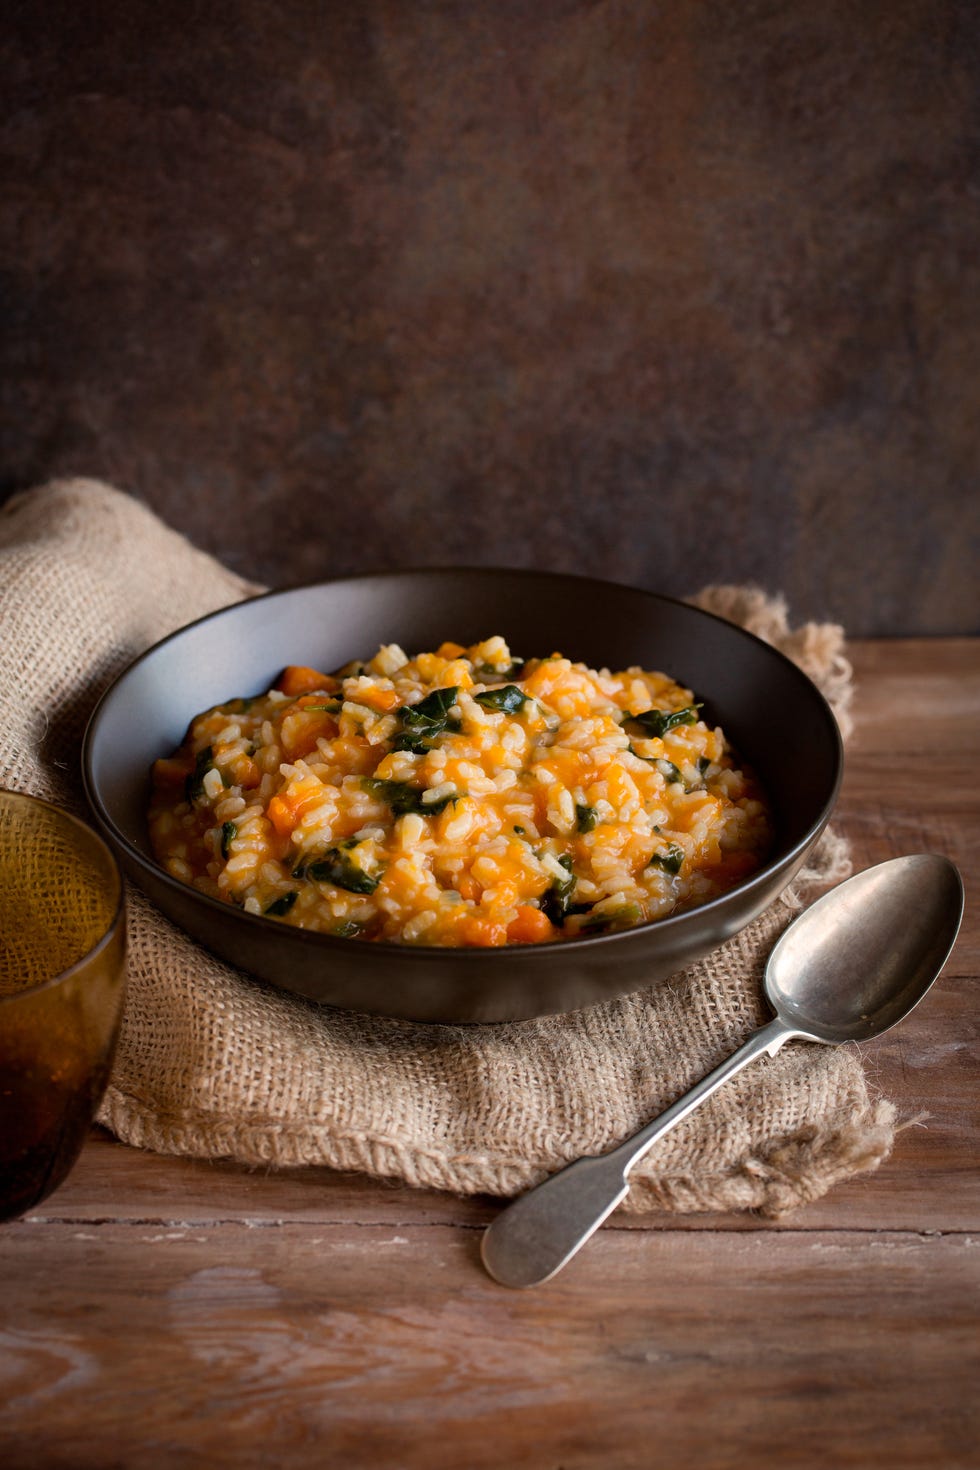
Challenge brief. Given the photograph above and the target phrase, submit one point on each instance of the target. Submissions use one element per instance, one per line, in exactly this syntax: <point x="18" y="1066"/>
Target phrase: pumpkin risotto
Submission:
<point x="462" y="797"/>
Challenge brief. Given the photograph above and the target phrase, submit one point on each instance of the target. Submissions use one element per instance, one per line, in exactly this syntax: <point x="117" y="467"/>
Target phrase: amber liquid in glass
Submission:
<point x="44" y="1137"/>
<point x="62" y="960"/>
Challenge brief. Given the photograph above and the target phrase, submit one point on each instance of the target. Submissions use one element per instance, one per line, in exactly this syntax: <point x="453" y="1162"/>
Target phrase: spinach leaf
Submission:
<point x="670" y="860"/>
<point x="194" y="785"/>
<point x="658" y="721"/>
<point x="432" y="711"/>
<point x="417" y="744"/>
<point x="557" y="900"/>
<point x="403" y="797"/>
<point x="280" y="906"/>
<point x="228" y="834"/>
<point x="336" y="867"/>
<point x="487" y="672"/>
<point x="423" y="722"/>
<point x="346" y="929"/>
<point x="587" y="817"/>
<point x="623" y="917"/>
<point x="667" y="769"/>
<point x="508" y="699"/>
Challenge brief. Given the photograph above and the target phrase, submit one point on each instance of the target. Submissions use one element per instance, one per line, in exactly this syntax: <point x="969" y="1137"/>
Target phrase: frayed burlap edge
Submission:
<point x="790" y="1173"/>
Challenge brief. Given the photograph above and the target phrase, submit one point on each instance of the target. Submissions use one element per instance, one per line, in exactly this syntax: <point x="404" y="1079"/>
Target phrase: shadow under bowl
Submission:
<point x="775" y="717"/>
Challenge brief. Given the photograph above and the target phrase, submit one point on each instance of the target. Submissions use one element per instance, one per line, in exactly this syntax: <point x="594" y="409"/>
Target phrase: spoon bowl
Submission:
<point x="861" y="957"/>
<point x="850" y="967"/>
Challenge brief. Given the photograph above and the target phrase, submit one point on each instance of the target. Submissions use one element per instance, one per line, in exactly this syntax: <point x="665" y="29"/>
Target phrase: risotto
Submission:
<point x="459" y="797"/>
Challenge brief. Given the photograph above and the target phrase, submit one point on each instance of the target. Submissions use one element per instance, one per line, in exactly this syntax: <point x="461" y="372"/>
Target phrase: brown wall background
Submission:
<point x="666" y="293"/>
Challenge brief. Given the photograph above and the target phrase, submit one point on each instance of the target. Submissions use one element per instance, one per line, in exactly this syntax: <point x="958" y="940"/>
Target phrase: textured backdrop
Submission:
<point x="669" y="293"/>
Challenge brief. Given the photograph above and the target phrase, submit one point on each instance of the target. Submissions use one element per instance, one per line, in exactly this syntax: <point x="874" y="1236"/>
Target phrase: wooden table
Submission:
<point x="162" y="1312"/>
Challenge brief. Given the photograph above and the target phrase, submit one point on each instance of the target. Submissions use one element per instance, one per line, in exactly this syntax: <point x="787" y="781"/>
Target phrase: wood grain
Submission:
<point x="373" y="1347"/>
<point x="169" y="1312"/>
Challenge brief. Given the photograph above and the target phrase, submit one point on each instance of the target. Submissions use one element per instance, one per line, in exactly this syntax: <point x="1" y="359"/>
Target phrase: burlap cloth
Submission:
<point x="213" y="1064"/>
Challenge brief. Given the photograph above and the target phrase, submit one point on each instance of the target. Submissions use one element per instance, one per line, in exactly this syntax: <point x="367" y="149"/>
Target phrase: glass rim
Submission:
<point x="119" y="908"/>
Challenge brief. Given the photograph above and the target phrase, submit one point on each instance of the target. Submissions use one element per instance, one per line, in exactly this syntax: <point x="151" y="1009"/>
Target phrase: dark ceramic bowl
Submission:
<point x="772" y="713"/>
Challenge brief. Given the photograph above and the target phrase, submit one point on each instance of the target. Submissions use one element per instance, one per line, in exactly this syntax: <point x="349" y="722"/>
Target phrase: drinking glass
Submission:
<point x="62" y="978"/>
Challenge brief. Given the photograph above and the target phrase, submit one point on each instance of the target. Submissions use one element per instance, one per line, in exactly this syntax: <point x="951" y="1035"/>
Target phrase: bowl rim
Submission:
<point x="444" y="954"/>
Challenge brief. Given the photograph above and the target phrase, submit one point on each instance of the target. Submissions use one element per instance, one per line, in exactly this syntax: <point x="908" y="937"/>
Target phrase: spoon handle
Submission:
<point x="540" y="1232"/>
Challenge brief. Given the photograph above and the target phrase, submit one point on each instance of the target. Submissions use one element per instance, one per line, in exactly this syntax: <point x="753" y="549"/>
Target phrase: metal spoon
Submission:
<point x="851" y="966"/>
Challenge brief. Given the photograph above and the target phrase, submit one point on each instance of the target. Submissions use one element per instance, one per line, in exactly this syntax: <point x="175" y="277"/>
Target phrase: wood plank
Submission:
<point x="113" y="1182"/>
<point x="359" y="1345"/>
